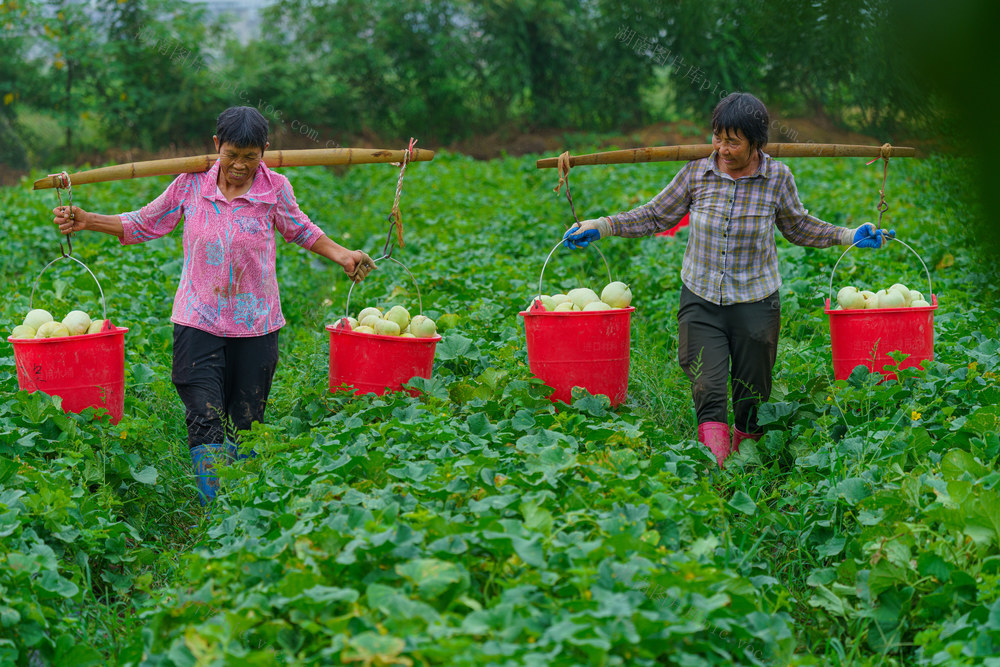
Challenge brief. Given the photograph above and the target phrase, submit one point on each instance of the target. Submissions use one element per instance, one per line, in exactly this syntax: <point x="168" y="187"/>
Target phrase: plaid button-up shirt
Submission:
<point x="731" y="255"/>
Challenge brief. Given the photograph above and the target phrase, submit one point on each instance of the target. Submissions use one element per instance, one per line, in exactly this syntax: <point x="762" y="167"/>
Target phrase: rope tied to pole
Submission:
<point x="63" y="183"/>
<point x="395" y="217"/>
<point x="885" y="152"/>
<point x="564" y="167"/>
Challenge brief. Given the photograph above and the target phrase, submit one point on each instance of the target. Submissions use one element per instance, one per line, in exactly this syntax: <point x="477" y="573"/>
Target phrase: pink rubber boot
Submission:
<point x="715" y="436"/>
<point x="739" y="436"/>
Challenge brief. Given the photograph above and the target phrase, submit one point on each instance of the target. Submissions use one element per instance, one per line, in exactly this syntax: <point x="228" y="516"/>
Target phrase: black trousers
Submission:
<point x="223" y="382"/>
<point x="721" y="343"/>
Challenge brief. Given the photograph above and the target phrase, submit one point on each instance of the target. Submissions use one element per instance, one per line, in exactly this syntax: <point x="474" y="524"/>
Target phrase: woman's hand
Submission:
<point x="78" y="220"/>
<point x="358" y="265"/>
<point x="866" y="236"/>
<point x="580" y="235"/>
<point x="70" y="221"/>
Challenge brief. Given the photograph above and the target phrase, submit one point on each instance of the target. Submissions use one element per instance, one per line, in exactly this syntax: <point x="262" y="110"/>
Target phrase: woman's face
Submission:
<point x="735" y="157"/>
<point x="237" y="166"/>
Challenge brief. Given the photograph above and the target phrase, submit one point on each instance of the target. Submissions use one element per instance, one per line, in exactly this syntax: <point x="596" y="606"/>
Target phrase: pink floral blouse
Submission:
<point x="228" y="285"/>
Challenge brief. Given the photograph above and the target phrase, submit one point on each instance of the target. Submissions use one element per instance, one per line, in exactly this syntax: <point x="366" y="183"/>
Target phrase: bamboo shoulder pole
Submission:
<point x="697" y="151"/>
<point x="200" y="163"/>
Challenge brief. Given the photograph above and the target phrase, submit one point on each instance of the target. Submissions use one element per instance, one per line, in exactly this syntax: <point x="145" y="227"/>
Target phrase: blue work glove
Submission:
<point x="581" y="235"/>
<point x="866" y="236"/>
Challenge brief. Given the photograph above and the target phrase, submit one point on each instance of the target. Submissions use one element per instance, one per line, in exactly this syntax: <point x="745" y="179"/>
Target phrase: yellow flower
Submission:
<point x="915" y="415"/>
<point x="8" y="98"/>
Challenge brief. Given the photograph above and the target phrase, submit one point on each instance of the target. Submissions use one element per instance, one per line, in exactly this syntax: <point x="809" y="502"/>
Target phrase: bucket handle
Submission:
<point x="930" y="290"/>
<point x="551" y="252"/>
<point x="420" y="302"/>
<point x="31" y="299"/>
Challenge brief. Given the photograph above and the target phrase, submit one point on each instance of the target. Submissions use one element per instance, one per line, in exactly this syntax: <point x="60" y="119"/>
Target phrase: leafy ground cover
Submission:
<point x="474" y="523"/>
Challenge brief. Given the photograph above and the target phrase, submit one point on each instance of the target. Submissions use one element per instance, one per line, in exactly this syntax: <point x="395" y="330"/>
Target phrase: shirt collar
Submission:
<point x="763" y="167"/>
<point x="263" y="189"/>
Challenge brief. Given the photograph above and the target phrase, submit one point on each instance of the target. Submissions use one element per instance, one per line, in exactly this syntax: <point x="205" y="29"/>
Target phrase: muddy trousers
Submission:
<point x="719" y="344"/>
<point x="223" y="382"/>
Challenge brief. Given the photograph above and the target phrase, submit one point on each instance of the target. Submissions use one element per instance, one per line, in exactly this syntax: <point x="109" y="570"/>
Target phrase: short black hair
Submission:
<point x="242" y="127"/>
<point x="743" y="112"/>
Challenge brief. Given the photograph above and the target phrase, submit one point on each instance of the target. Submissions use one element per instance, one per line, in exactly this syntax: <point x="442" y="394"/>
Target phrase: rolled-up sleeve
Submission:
<point x="662" y="212"/>
<point x="294" y="225"/>
<point x="801" y="228"/>
<point x="160" y="216"/>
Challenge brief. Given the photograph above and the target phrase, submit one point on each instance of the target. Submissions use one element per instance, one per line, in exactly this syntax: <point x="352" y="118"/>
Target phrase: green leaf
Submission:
<point x="432" y="576"/>
<point x="822" y="576"/>
<point x="595" y="406"/>
<point x="931" y="565"/>
<point x="479" y="424"/>
<point x="7" y="469"/>
<point x="52" y="582"/>
<point x="773" y="413"/>
<point x="72" y="652"/>
<point x="396" y="604"/>
<point x="826" y="599"/>
<point x="530" y="551"/>
<point x="328" y="594"/>
<point x="9" y="617"/>
<point x="142" y="374"/>
<point x="370" y="648"/>
<point x="523" y="420"/>
<point x="434" y="387"/>
<point x="147" y="475"/>
<point x="741" y="502"/>
<point x="456" y="346"/>
<point x="832" y="546"/>
<point x="993" y="623"/>
<point x="852" y="489"/>
<point x="985" y="515"/>
<point x="958" y="462"/>
<point x="871" y="518"/>
<point x="536" y="518"/>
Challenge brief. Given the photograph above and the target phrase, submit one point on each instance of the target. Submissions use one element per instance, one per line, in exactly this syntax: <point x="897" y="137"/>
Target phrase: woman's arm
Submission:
<point x="798" y="226"/>
<point x="662" y="212"/>
<point x="356" y="263"/>
<point x="79" y="220"/>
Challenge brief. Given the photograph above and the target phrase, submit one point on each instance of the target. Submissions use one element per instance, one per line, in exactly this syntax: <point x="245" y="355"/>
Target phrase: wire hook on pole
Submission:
<point x="63" y="183"/>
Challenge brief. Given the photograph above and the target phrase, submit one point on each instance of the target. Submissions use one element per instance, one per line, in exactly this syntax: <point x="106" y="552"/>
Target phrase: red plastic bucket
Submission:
<point x="588" y="349"/>
<point x="86" y="371"/>
<point x="580" y="349"/>
<point x="865" y="337"/>
<point x="376" y="364"/>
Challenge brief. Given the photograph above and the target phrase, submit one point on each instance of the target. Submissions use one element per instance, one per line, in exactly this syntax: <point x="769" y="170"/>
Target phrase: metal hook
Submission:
<point x="65" y="184"/>
<point x="389" y="245"/>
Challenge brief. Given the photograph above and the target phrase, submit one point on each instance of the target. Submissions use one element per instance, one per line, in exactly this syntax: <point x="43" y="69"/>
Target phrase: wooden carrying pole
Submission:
<point x="199" y="163"/>
<point x="697" y="151"/>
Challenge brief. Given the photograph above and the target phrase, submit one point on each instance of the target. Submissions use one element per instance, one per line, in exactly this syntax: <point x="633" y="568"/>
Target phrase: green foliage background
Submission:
<point x="151" y="74"/>
<point x="475" y="524"/>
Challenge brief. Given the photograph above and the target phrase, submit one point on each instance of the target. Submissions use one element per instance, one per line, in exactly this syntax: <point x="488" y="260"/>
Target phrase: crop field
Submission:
<point x="475" y="524"/>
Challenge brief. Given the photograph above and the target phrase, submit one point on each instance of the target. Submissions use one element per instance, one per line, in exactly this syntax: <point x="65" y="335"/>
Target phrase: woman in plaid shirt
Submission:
<point x="729" y="314"/>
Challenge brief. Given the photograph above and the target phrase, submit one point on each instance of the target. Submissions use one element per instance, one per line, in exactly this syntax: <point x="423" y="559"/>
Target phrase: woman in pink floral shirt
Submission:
<point x="227" y="311"/>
